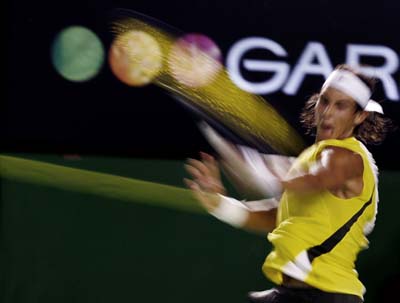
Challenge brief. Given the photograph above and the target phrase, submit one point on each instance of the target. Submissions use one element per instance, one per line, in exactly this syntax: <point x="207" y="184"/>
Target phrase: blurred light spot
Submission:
<point x="77" y="53"/>
<point x="195" y="60"/>
<point x="135" y="58"/>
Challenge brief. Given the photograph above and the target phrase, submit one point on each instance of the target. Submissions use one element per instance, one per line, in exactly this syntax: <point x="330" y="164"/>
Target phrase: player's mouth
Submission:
<point x="325" y="129"/>
<point x="324" y="126"/>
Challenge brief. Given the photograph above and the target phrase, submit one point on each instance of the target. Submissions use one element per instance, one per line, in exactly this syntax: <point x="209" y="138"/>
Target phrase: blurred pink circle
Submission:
<point x="194" y="60"/>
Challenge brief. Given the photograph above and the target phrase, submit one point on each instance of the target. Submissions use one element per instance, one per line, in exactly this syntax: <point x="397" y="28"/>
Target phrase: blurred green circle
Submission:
<point x="77" y="53"/>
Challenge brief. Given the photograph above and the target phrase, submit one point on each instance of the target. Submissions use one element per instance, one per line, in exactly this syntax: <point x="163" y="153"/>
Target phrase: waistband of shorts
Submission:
<point x="294" y="283"/>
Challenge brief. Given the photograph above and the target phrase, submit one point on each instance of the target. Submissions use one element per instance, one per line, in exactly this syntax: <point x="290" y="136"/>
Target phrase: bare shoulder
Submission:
<point x="342" y="158"/>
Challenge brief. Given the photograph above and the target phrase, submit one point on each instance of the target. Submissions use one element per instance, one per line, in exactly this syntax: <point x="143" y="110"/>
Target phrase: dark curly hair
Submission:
<point x="374" y="128"/>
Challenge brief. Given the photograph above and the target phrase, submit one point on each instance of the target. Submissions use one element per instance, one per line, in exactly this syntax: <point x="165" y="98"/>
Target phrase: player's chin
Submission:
<point x="325" y="134"/>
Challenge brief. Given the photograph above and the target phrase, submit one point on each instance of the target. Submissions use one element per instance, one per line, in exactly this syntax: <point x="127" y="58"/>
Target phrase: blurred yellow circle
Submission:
<point x="135" y="58"/>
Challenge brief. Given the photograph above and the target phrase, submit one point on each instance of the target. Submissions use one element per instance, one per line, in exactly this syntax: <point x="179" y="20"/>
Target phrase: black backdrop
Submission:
<point x="42" y="112"/>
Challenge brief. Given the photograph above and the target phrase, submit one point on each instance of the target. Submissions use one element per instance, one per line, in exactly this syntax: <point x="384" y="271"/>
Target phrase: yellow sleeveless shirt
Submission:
<point x="319" y="220"/>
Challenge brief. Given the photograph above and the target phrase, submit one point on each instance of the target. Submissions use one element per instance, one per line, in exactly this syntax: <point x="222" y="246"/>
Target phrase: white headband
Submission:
<point x="354" y="87"/>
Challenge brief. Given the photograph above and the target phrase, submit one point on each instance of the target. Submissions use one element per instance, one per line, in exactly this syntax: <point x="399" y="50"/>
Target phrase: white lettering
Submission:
<point x="281" y="69"/>
<point x="313" y="51"/>
<point x="384" y="72"/>
<point x="314" y="60"/>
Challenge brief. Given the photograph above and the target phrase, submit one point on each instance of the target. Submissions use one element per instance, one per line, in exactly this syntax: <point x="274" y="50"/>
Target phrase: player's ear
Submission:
<point x="360" y="117"/>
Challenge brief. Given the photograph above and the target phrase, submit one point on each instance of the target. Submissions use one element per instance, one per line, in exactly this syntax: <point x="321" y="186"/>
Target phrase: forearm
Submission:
<point x="255" y="216"/>
<point x="261" y="221"/>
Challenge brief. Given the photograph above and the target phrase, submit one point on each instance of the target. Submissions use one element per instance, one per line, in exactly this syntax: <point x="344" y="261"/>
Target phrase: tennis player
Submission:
<point x="317" y="208"/>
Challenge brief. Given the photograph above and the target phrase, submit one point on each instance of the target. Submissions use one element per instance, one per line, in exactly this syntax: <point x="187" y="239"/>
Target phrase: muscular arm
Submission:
<point x="260" y="218"/>
<point x="333" y="169"/>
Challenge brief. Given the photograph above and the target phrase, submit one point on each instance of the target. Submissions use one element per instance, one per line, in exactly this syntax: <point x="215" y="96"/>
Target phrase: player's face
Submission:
<point x="336" y="115"/>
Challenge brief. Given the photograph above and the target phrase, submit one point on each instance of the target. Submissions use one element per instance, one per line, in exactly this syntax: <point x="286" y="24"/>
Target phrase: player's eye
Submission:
<point x="323" y="100"/>
<point x="341" y="105"/>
